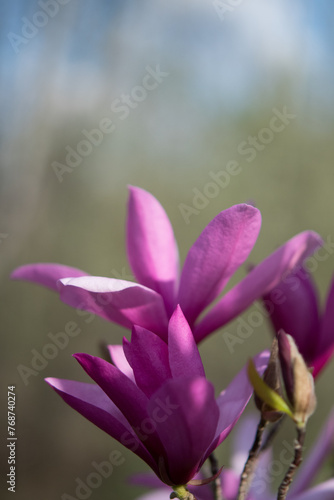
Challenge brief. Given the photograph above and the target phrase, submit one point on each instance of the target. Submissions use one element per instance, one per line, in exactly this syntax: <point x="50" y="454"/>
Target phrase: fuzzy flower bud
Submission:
<point x="298" y="380"/>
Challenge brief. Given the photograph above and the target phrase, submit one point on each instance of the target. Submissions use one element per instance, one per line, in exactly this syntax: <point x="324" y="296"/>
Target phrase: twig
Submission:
<point x="217" y="485"/>
<point x="285" y="485"/>
<point x="248" y="472"/>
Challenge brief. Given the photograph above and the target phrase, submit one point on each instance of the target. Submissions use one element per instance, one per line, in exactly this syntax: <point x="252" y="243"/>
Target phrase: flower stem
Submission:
<point x="182" y="493"/>
<point x="297" y="460"/>
<point x="217" y="485"/>
<point x="248" y="472"/>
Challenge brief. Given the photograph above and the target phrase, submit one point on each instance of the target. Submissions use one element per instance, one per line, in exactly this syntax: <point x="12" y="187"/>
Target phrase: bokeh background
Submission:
<point x="65" y="70"/>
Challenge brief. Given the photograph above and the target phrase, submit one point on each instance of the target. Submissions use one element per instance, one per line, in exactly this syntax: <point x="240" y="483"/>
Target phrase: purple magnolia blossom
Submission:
<point x="260" y="490"/>
<point x="220" y="250"/>
<point x="293" y="307"/>
<point x="156" y="401"/>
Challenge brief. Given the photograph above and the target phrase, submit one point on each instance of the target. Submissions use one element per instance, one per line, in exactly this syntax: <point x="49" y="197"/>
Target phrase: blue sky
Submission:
<point x="222" y="61"/>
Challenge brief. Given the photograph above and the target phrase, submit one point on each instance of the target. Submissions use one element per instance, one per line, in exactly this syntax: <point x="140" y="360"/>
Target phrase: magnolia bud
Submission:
<point x="298" y="380"/>
<point x="272" y="378"/>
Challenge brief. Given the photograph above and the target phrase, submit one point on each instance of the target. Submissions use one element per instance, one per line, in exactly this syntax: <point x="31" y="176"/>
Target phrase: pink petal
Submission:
<point x="218" y="252"/>
<point x="230" y="485"/>
<point x="263" y="278"/>
<point x="92" y="403"/>
<point x="130" y="400"/>
<point x="243" y="438"/>
<point x="184" y="358"/>
<point x="46" y="274"/>
<point x="323" y="491"/>
<point x="119" y="360"/>
<point x="122" y="302"/>
<point x="233" y="400"/>
<point x="151" y="246"/>
<point x="327" y="327"/>
<point x="321" y="361"/>
<point x="261" y="488"/>
<point x="186" y="415"/>
<point x="148" y="356"/>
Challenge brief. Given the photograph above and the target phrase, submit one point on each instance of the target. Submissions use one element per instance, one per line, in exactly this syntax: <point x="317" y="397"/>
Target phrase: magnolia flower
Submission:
<point x="156" y="401"/>
<point x="265" y="475"/>
<point x="219" y="251"/>
<point x="293" y="307"/>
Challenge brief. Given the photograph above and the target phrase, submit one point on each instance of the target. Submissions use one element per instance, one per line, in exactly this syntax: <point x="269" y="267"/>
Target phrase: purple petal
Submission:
<point x="151" y="246"/>
<point x="263" y="278"/>
<point x="321" y="361"/>
<point x="184" y="358"/>
<point x="230" y="484"/>
<point x="204" y="492"/>
<point x="46" y="274"/>
<point x="324" y="447"/>
<point x="327" y="327"/>
<point x="218" y="252"/>
<point x="325" y="348"/>
<point x="130" y="400"/>
<point x="92" y="403"/>
<point x="122" y="302"/>
<point x="119" y="360"/>
<point x="186" y="415"/>
<point x="323" y="491"/>
<point x="243" y="438"/>
<point x="148" y="356"/>
<point x="293" y="307"/>
<point x="260" y="487"/>
<point x="233" y="400"/>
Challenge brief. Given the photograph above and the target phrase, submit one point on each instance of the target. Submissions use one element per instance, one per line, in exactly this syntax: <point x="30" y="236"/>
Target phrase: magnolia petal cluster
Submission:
<point x="156" y="400"/>
<point x="219" y="251"/>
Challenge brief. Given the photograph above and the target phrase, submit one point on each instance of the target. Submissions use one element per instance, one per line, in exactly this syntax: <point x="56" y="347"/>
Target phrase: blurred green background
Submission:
<point x="65" y="70"/>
